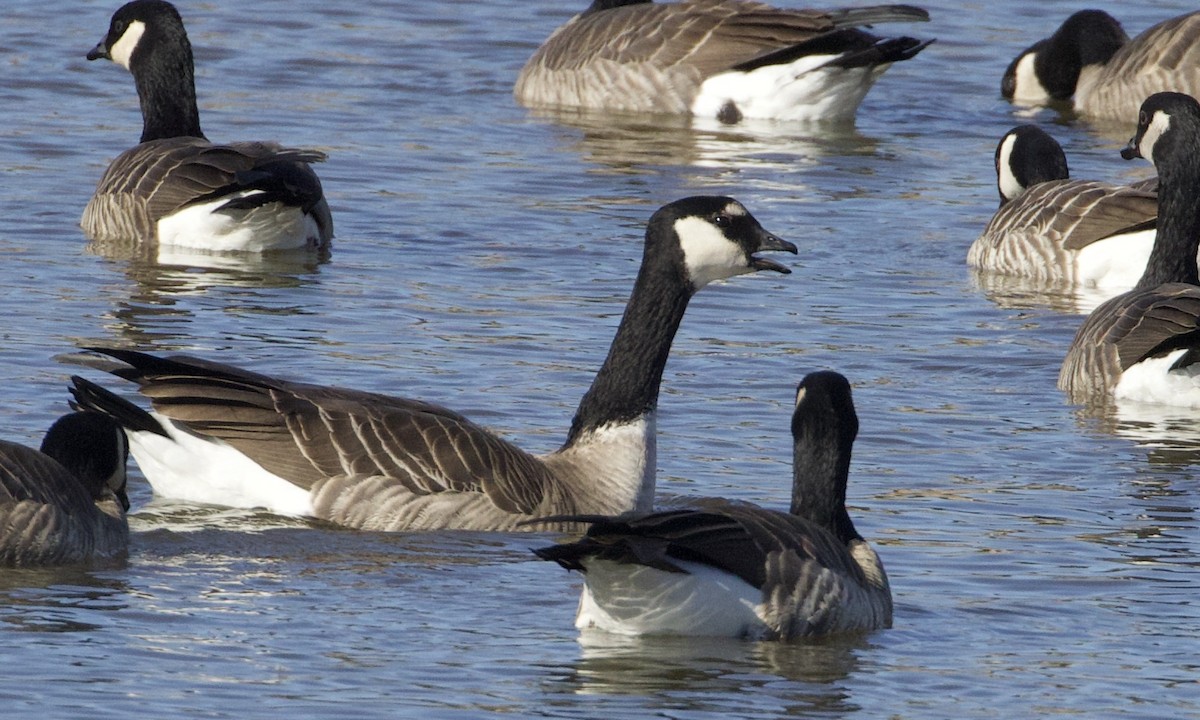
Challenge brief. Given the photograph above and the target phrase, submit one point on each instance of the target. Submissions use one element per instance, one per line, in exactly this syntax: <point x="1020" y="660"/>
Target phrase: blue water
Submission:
<point x="1043" y="556"/>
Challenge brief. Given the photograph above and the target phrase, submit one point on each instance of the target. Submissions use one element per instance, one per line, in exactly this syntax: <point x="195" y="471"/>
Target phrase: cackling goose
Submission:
<point x="723" y="59"/>
<point x="178" y="189"/>
<point x="1144" y="345"/>
<point x="232" y="437"/>
<point x="1054" y="229"/>
<point x="65" y="503"/>
<point x="721" y="567"/>
<point x="1091" y="59"/>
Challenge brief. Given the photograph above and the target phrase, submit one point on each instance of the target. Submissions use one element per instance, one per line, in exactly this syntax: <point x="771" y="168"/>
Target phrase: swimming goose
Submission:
<point x="720" y="567"/>
<point x="1144" y="344"/>
<point x="1091" y="59"/>
<point x="176" y="188"/>
<point x="65" y="503"/>
<point x="723" y="59"/>
<point x="232" y="437"/>
<point x="1054" y="229"/>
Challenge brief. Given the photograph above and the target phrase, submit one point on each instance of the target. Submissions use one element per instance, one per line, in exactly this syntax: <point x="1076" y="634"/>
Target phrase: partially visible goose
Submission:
<point x="1091" y="60"/>
<point x="720" y="567"/>
<point x="1144" y="345"/>
<point x="232" y="437"/>
<point x="1055" y="229"/>
<point x="176" y="188"/>
<point x="723" y="59"/>
<point x="65" y="503"/>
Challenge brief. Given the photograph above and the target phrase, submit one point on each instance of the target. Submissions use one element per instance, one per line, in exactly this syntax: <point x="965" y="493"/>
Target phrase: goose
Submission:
<point x="720" y="59"/>
<point x="227" y="436"/>
<point x="720" y="567"/>
<point x="1143" y="345"/>
<point x="66" y="502"/>
<point x="178" y="189"/>
<point x="1091" y="61"/>
<point x="1055" y="229"/>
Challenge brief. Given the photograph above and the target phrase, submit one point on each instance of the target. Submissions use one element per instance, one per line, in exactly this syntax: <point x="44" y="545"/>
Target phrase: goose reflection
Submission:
<point x="629" y="143"/>
<point x="162" y="285"/>
<point x="703" y="673"/>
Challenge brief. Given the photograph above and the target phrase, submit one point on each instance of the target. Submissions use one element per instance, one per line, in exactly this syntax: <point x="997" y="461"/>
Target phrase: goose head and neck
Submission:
<point x="689" y="244"/>
<point x="824" y="426"/>
<point x="1050" y="69"/>
<point x="147" y="38"/>
<point x="1168" y="134"/>
<point x="1026" y="156"/>
<point x="93" y="448"/>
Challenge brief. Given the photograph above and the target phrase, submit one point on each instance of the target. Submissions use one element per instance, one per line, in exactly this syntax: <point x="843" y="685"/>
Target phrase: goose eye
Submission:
<point x="1142" y="119"/>
<point x="721" y="220"/>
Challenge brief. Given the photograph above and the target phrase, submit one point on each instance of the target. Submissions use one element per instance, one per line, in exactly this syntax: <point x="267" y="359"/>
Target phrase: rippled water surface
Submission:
<point x="1042" y="555"/>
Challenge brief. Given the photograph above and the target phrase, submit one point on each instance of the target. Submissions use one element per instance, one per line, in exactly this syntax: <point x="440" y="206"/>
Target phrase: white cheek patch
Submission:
<point x="1009" y="186"/>
<point x="1027" y="88"/>
<point x="707" y="253"/>
<point x="1159" y="124"/>
<point x="122" y="49"/>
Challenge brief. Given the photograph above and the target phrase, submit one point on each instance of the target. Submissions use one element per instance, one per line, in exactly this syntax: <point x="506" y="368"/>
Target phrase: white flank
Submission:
<point x="707" y="253"/>
<point x="205" y="470"/>
<point x="807" y="89"/>
<point x="638" y="600"/>
<point x="1028" y="89"/>
<point x="1009" y="186"/>
<point x="1152" y="381"/>
<point x="122" y="49"/>
<point x="1115" y="263"/>
<point x="274" y="226"/>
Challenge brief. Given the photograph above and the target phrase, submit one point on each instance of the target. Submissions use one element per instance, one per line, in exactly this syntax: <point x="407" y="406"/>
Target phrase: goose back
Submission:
<point x="1145" y="344"/>
<point x="227" y="436"/>
<point x="714" y="566"/>
<point x="176" y="188"/>
<point x="654" y="57"/>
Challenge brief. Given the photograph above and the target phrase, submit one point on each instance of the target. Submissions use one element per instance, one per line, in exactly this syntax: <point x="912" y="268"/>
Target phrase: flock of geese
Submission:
<point x="221" y="435"/>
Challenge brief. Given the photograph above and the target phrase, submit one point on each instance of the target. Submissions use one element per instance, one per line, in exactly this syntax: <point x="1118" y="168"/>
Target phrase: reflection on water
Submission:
<point x="153" y="315"/>
<point x="1016" y="292"/>
<point x="61" y="599"/>
<point x="629" y="144"/>
<point x="708" y="673"/>
<point x="1170" y="434"/>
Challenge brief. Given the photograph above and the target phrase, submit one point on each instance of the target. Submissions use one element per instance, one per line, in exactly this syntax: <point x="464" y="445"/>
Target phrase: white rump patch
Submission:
<point x="206" y="470"/>
<point x="122" y="49"/>
<point x="1009" y="186"/>
<point x="1028" y="89"/>
<point x="1152" y="381"/>
<point x="807" y="89"/>
<point x="638" y="600"/>
<point x="707" y="253"/>
<point x="273" y="226"/>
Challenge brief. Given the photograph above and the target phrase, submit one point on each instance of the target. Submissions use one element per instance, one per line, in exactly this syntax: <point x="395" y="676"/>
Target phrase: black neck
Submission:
<point x="626" y="386"/>
<point x="598" y="5"/>
<point x="162" y="70"/>
<point x="820" y="470"/>
<point x="1173" y="258"/>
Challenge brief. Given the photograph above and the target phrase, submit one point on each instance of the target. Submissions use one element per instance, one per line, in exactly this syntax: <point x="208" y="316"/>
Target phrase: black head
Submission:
<point x="93" y="448"/>
<point x="1167" y="121"/>
<point x="1026" y="156"/>
<point x="134" y="21"/>
<point x="714" y="237"/>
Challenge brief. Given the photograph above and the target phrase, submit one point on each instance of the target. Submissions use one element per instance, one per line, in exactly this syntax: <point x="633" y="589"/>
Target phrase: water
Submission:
<point x="1042" y="555"/>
